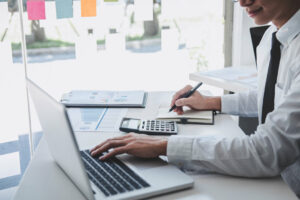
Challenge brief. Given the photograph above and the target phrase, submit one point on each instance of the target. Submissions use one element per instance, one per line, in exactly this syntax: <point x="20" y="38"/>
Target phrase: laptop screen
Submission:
<point x="256" y="36"/>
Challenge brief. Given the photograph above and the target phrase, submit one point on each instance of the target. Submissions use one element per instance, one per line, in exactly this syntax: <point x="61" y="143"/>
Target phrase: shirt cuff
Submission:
<point x="179" y="148"/>
<point x="229" y="104"/>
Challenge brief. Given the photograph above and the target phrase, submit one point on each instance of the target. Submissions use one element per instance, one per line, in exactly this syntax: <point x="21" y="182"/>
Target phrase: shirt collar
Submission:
<point x="289" y="30"/>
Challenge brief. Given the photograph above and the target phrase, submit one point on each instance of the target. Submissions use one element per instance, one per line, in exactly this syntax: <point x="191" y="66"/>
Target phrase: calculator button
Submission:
<point x="158" y="127"/>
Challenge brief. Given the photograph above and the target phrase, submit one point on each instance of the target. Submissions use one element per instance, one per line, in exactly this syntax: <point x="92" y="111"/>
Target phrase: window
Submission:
<point x="115" y="50"/>
<point x="14" y="137"/>
<point x="242" y="47"/>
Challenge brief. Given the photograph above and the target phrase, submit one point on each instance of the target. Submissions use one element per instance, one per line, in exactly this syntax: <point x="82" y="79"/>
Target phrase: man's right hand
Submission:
<point x="196" y="101"/>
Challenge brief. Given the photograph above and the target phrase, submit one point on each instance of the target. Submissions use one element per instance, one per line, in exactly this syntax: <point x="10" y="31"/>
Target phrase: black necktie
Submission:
<point x="269" y="95"/>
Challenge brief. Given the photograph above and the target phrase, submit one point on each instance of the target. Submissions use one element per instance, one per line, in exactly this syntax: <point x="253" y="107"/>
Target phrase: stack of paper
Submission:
<point x="85" y="98"/>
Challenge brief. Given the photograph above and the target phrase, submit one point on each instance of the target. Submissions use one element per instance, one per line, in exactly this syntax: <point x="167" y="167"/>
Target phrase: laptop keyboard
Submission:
<point x="111" y="176"/>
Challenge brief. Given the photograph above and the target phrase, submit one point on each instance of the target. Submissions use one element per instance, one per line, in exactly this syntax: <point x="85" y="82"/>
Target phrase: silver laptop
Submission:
<point x="116" y="178"/>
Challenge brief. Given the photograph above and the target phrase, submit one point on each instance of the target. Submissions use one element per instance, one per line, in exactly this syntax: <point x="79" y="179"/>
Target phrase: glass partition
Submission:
<point x="14" y="123"/>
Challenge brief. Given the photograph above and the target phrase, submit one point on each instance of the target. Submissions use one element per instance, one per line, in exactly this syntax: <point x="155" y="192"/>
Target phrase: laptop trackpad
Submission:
<point x="142" y="163"/>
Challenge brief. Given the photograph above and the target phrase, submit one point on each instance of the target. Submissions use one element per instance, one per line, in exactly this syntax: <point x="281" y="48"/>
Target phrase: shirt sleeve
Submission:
<point x="274" y="146"/>
<point x="242" y="104"/>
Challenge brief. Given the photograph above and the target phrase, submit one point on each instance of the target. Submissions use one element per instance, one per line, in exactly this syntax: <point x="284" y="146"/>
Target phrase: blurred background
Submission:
<point x="118" y="49"/>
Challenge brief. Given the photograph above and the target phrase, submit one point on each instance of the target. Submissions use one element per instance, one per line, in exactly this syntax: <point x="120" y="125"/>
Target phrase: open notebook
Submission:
<point x="189" y="116"/>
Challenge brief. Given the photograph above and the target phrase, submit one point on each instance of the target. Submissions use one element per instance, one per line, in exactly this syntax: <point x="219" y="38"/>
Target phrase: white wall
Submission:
<point x="242" y="46"/>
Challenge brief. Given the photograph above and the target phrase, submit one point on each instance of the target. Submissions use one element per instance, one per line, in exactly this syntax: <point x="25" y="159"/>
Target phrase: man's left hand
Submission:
<point x="139" y="145"/>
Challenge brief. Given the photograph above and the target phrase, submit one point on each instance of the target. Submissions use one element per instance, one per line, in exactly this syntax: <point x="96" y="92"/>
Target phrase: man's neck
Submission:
<point x="286" y="15"/>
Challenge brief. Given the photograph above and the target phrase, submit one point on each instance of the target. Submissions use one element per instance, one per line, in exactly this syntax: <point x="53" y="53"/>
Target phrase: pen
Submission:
<point x="186" y="95"/>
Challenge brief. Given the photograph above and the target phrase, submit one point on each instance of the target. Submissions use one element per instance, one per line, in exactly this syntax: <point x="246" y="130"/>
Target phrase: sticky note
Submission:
<point x="64" y="9"/>
<point x="88" y="8"/>
<point x="143" y="10"/>
<point x="36" y="9"/>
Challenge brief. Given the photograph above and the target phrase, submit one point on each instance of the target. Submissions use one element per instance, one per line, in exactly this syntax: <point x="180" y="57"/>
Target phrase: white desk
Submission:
<point x="43" y="179"/>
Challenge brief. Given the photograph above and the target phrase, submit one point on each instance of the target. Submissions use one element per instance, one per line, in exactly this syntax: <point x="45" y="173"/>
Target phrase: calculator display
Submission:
<point x="133" y="123"/>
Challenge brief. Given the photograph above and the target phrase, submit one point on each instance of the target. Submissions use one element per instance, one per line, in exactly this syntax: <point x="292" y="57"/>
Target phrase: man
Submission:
<point x="275" y="146"/>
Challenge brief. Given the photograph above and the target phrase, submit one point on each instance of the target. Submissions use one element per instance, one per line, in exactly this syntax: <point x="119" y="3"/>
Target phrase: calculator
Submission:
<point x="149" y="127"/>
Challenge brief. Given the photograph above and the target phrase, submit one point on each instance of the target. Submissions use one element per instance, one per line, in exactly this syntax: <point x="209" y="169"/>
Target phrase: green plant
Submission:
<point x="46" y="44"/>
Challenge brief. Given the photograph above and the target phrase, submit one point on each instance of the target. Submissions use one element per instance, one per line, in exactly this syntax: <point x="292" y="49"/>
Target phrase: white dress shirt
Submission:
<point x="275" y="144"/>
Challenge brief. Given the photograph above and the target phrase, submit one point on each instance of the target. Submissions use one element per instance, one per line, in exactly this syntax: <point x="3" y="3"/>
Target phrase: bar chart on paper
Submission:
<point x="96" y="119"/>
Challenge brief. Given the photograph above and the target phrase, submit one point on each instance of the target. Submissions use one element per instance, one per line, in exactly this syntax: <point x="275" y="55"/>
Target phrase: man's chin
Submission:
<point x="260" y="21"/>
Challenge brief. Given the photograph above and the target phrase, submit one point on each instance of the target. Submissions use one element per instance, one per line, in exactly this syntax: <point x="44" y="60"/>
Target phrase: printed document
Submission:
<point x="104" y="98"/>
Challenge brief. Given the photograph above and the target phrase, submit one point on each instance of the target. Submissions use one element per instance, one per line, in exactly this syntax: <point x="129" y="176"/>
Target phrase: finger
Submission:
<point x="173" y="101"/>
<point x="98" y="146"/>
<point x="180" y="112"/>
<point x="101" y="144"/>
<point x="111" y="144"/>
<point x="114" y="152"/>
<point x="106" y="146"/>
<point x="178" y="109"/>
<point x="111" y="139"/>
<point x="182" y="102"/>
<point x="178" y="94"/>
